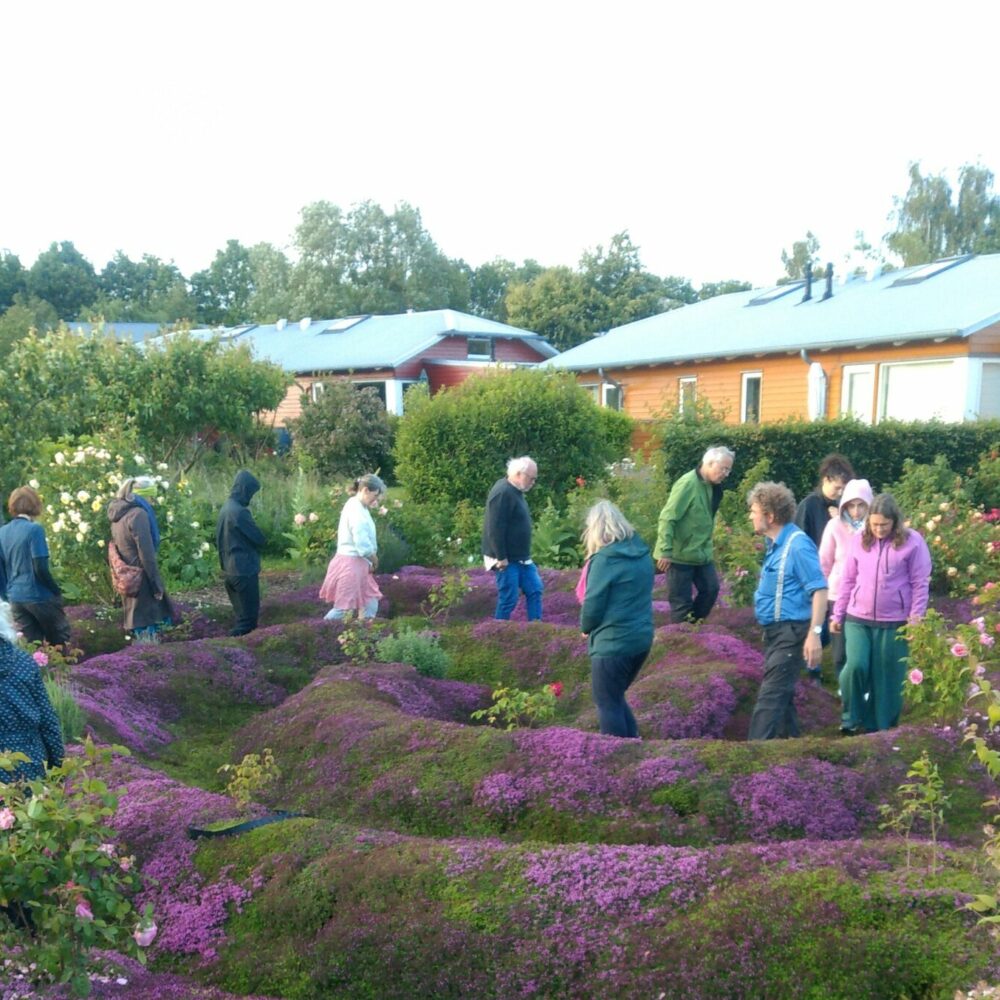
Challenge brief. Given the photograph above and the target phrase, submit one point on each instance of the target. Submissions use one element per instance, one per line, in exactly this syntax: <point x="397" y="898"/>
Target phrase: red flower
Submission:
<point x="581" y="482"/>
<point x="556" y="688"/>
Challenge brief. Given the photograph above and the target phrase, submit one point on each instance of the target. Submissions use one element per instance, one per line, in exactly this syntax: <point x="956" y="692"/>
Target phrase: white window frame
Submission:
<point x="594" y="388"/>
<point x="682" y="383"/>
<point x="746" y="377"/>
<point x="606" y="390"/>
<point x="845" y="376"/>
<point x="478" y="355"/>
<point x="960" y="365"/>
<point x="316" y="389"/>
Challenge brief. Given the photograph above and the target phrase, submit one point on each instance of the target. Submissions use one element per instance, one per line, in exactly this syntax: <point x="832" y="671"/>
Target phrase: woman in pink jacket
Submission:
<point x="833" y="547"/>
<point x="885" y="584"/>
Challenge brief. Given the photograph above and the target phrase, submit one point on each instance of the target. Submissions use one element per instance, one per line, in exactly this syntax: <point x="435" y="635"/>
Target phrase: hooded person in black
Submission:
<point x="239" y="542"/>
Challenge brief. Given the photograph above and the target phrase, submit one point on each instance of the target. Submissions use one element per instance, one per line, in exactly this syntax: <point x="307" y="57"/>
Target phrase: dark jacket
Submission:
<point x="617" y="612"/>
<point x="813" y="515"/>
<point x="132" y="535"/>
<point x="28" y="723"/>
<point x="237" y="536"/>
<point x="507" y="525"/>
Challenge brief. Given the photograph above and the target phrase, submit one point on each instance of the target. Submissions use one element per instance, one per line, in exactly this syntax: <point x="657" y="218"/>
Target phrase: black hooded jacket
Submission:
<point x="237" y="536"/>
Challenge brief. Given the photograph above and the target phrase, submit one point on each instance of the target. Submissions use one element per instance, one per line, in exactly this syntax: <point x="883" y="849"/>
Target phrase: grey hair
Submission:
<point x="521" y="464"/>
<point x="369" y="482"/>
<point x="717" y="453"/>
<point x="605" y="524"/>
<point x="125" y="490"/>
<point x="8" y="630"/>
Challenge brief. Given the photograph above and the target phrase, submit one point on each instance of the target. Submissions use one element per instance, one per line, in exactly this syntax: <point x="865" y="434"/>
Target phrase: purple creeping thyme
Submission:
<point x="821" y="800"/>
<point x="684" y="708"/>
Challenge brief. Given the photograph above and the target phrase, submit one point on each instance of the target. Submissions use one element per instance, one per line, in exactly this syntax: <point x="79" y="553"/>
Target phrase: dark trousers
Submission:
<point x="774" y="715"/>
<point x="244" y="596"/>
<point x="42" y="620"/>
<point x="610" y="678"/>
<point x="682" y="580"/>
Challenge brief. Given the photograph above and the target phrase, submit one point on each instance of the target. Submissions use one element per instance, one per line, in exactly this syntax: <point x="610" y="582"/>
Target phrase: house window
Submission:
<point x="687" y="393"/>
<point x="929" y="270"/>
<point x="595" y="391"/>
<point x="750" y="398"/>
<point x="316" y="390"/>
<point x="857" y="392"/>
<point x="612" y="396"/>
<point x="778" y="292"/>
<point x="922" y="390"/>
<point x="989" y="392"/>
<point x="480" y="348"/>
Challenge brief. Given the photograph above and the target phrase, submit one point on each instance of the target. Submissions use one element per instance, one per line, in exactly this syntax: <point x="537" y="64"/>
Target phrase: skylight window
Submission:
<point x="929" y="270"/>
<point x="779" y="291"/>
<point x="339" y="325"/>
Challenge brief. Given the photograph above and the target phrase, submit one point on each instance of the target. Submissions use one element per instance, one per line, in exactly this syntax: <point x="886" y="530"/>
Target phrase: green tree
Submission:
<point x="223" y="291"/>
<point x="925" y="220"/>
<point x="556" y="305"/>
<point x="13" y="278"/>
<point x="63" y="277"/>
<point x="489" y="282"/>
<point x="711" y="289"/>
<point x="453" y="446"/>
<point x="803" y="255"/>
<point x="148" y="290"/>
<point x="345" y="432"/>
<point x="27" y="313"/>
<point x="371" y="261"/>
<point x="271" y="271"/>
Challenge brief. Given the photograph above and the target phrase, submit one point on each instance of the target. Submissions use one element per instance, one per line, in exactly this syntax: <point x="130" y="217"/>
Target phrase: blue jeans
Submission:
<point x="610" y="678"/>
<point x="517" y="577"/>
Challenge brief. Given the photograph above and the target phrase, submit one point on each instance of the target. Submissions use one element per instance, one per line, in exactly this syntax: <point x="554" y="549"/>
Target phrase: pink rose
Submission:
<point x="83" y="910"/>
<point x="144" y="935"/>
<point x="42" y="659"/>
<point x="556" y="688"/>
<point x="300" y="519"/>
<point x="986" y="640"/>
<point x="959" y="649"/>
<point x="916" y="676"/>
<point x="6" y="818"/>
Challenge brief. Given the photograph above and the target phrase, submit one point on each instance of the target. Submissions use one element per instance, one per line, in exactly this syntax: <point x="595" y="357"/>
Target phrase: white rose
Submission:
<point x="65" y="498"/>
<point x="59" y="458"/>
<point x="195" y="525"/>
<point x="79" y="537"/>
<point x="83" y="496"/>
<point x="34" y="484"/>
<point x="74" y="516"/>
<point x="138" y="459"/>
<point x="84" y="527"/>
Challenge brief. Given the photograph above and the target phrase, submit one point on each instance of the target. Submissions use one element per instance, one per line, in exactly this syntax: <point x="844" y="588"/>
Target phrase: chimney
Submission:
<point x="809" y="282"/>
<point x="828" y="294"/>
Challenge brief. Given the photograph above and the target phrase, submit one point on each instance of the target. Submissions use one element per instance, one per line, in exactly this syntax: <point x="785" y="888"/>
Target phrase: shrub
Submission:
<point x="345" y="432"/>
<point x="61" y="877"/>
<point x="455" y="445"/>
<point x="419" y="649"/>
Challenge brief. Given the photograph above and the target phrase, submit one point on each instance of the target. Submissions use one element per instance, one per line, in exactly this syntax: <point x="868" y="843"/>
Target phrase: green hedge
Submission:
<point x="794" y="448"/>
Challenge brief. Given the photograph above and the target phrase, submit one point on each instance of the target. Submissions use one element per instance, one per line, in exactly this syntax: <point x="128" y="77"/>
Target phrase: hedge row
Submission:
<point x="795" y="448"/>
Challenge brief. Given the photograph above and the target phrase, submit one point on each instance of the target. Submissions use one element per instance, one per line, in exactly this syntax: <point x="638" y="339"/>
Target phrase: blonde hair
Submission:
<point x="605" y="524"/>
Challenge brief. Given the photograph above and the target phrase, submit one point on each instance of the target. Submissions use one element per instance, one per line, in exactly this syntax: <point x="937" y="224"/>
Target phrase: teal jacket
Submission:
<point x="684" y="533"/>
<point x="617" y="612"/>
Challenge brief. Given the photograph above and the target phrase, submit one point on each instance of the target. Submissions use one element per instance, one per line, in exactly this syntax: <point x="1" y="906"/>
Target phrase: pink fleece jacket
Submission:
<point x="837" y="536"/>
<point x="885" y="584"/>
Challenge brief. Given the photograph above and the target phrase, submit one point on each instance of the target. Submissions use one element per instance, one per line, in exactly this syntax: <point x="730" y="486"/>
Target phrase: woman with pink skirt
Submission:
<point x="350" y="582"/>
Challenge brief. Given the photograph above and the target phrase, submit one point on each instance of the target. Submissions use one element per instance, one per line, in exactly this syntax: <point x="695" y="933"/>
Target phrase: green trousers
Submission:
<point x="871" y="683"/>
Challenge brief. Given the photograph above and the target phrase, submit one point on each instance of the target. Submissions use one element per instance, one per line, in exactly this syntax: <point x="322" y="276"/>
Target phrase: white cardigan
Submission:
<point x="356" y="531"/>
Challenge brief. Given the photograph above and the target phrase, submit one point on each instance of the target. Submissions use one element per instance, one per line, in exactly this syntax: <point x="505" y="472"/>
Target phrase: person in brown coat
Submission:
<point x="148" y="611"/>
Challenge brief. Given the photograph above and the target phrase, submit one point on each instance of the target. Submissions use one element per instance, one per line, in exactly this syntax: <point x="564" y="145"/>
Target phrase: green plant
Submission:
<point x="513" y="707"/>
<point x="344" y="431"/>
<point x="62" y="879"/>
<point x="72" y="718"/>
<point x="311" y="534"/>
<point x="444" y="597"/>
<point x="421" y="650"/>
<point x="359" y="638"/>
<point x="922" y="800"/>
<point x="737" y="549"/>
<point x="250" y="776"/>
<point x="454" y="446"/>
<point x="555" y="539"/>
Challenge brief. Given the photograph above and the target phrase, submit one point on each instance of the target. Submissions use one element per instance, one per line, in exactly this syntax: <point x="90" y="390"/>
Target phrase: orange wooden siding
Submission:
<point x="653" y="390"/>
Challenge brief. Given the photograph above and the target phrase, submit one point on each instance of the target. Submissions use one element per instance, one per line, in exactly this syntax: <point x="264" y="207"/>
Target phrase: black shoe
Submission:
<point x="851" y="731"/>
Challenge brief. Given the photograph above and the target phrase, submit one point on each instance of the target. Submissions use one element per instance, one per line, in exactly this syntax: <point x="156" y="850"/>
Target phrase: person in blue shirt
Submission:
<point x="25" y="579"/>
<point x="790" y="605"/>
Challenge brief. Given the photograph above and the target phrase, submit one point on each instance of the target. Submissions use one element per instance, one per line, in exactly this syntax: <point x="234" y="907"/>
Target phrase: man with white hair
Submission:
<point x="684" y="537"/>
<point x="507" y="540"/>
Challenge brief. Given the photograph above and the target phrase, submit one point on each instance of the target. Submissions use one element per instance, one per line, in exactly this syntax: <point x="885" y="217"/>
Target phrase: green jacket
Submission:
<point x="686" y="523"/>
<point x="617" y="612"/>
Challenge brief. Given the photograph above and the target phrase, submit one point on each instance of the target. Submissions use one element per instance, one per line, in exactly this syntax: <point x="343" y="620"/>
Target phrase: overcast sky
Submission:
<point x="715" y="133"/>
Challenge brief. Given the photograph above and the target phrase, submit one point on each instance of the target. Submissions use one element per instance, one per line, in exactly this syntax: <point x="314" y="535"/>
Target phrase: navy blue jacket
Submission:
<point x="237" y="536"/>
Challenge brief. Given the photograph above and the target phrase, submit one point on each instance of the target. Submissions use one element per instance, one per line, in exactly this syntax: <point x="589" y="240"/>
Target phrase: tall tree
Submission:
<point x="925" y="220"/>
<point x="271" y="272"/>
<point x="803" y="255"/>
<point x="711" y="289"/>
<point x="145" y="291"/>
<point x="63" y="277"/>
<point x="371" y="261"/>
<point x="222" y="292"/>
<point x="489" y="282"/>
<point x="622" y="290"/>
<point x="13" y="278"/>
<point x="556" y="304"/>
<point x="26" y="313"/>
